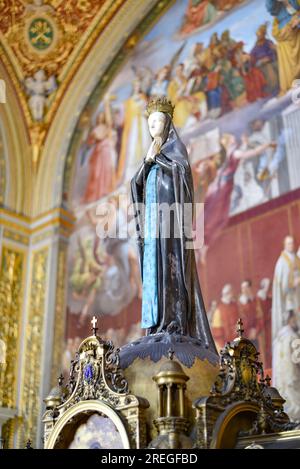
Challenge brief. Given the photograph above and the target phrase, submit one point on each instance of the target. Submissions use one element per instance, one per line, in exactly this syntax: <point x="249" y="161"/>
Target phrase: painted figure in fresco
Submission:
<point x="202" y="12"/>
<point x="232" y="79"/>
<point x="286" y="364"/>
<point x="177" y="93"/>
<point x="271" y="160"/>
<point x="196" y="58"/>
<point x="102" y="161"/>
<point x="211" y="311"/>
<point x="264" y="56"/>
<point x="213" y="88"/>
<point x="161" y="82"/>
<point x="171" y="292"/>
<point x="87" y="274"/>
<point x="227" y="41"/>
<point x="247" y="192"/>
<point x="218" y="198"/>
<point x="205" y="172"/>
<point x="286" y="31"/>
<point x="286" y="286"/>
<point x="269" y="164"/>
<point x="135" y="137"/>
<point x="188" y="96"/>
<point x="253" y="178"/>
<point x="121" y="279"/>
<point x="264" y="301"/>
<point x="225" y="317"/>
<point x="198" y="13"/>
<point x="226" y="4"/>
<point x="68" y="355"/>
<point x="250" y="312"/>
<point x="255" y="81"/>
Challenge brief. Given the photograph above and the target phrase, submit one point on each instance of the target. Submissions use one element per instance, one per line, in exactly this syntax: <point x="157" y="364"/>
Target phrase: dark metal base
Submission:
<point x="155" y="346"/>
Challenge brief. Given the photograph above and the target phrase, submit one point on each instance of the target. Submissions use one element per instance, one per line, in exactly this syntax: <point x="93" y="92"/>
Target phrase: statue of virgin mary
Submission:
<point x="162" y="193"/>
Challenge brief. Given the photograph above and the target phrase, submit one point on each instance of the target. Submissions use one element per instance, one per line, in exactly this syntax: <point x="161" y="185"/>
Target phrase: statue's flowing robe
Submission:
<point x="180" y="302"/>
<point x="285" y="296"/>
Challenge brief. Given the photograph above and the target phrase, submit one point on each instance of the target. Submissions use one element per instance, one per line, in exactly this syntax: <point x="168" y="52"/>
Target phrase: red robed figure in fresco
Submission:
<point x="218" y="197"/>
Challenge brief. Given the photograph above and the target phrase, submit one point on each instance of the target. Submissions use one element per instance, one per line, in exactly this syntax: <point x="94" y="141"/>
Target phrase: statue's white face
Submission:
<point x="156" y="122"/>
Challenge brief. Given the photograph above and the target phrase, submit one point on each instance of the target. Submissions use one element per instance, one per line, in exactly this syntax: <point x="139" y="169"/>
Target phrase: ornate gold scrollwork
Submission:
<point x="241" y="402"/>
<point x="60" y="314"/>
<point x="95" y="377"/>
<point x="11" y="276"/>
<point x="30" y="401"/>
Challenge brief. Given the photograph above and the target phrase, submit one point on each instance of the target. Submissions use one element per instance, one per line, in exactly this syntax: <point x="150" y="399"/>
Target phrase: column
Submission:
<point x="160" y="391"/>
<point x="36" y="251"/>
<point x="181" y="400"/>
<point x="169" y="399"/>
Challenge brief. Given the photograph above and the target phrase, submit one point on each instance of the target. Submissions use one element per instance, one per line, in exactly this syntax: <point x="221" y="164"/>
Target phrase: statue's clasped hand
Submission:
<point x="150" y="158"/>
<point x="153" y="150"/>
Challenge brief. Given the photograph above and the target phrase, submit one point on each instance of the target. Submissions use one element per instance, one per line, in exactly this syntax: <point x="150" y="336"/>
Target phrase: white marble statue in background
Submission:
<point x="286" y="365"/>
<point x="285" y="327"/>
<point x="286" y="286"/>
<point x="39" y="87"/>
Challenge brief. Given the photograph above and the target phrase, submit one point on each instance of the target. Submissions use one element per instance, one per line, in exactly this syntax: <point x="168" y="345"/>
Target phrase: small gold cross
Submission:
<point x="240" y="329"/>
<point x="94" y="324"/>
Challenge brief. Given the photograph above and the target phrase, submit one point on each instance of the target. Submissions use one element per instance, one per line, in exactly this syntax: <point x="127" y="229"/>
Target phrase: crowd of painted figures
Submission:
<point x="255" y="309"/>
<point x="218" y="78"/>
<point x="212" y="81"/>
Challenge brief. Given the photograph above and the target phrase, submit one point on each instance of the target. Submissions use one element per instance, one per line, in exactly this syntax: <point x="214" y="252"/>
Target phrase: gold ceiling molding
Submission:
<point x="38" y="150"/>
<point x="16" y="146"/>
<point x="22" y="228"/>
<point x="12" y="71"/>
<point x="117" y="35"/>
<point x="42" y="45"/>
<point x="60" y="313"/>
<point x="48" y="35"/>
<point x="2" y="170"/>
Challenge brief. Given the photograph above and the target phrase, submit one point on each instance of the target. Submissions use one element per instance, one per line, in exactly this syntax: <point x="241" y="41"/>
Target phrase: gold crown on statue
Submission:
<point x="160" y="105"/>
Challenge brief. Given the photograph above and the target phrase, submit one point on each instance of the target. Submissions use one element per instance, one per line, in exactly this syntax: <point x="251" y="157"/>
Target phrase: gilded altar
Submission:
<point x="96" y="409"/>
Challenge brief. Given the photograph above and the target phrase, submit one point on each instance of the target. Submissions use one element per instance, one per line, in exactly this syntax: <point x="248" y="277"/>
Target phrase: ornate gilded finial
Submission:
<point x="171" y="354"/>
<point x="94" y="324"/>
<point x="268" y="380"/>
<point x="160" y="104"/>
<point x="28" y="444"/>
<point x="60" y="380"/>
<point x="240" y="329"/>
